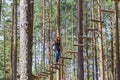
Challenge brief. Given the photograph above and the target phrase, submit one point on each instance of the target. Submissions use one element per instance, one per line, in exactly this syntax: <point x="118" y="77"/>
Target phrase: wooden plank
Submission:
<point x="111" y="11"/>
<point x="97" y="21"/>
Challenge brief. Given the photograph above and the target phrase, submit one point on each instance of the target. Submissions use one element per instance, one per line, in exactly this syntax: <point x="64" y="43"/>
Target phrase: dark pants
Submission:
<point x="57" y="55"/>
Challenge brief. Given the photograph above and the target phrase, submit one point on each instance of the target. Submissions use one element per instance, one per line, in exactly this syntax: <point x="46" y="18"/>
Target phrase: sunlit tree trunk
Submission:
<point x="15" y="40"/>
<point x="100" y="42"/>
<point x="26" y="40"/>
<point x="117" y="41"/>
<point x="80" y="68"/>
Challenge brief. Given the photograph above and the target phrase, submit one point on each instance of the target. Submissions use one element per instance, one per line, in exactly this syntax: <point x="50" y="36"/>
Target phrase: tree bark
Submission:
<point x="4" y="53"/>
<point x="58" y="34"/>
<point x="80" y="68"/>
<point x="26" y="39"/>
<point x="15" y="40"/>
<point x="43" y="39"/>
<point x="117" y="41"/>
<point x="11" y="53"/>
<point x="112" y="54"/>
<point x="100" y="42"/>
<point x="58" y="18"/>
<point x="0" y="9"/>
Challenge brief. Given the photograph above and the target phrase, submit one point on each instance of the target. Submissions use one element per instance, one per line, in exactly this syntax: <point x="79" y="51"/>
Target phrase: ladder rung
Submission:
<point x="82" y="45"/>
<point x="72" y="52"/>
<point x="54" y="68"/>
<point x="85" y="37"/>
<point x="50" y="71"/>
<point x="43" y="75"/>
<point x="46" y="73"/>
<point x="97" y="21"/>
<point x="92" y="30"/>
<point x="65" y="57"/>
<point x="36" y="77"/>
<point x="59" y="64"/>
<point x="111" y="11"/>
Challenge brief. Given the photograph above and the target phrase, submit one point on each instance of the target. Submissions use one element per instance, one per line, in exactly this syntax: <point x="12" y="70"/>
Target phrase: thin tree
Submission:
<point x="100" y="41"/>
<point x="0" y="9"/>
<point x="80" y="68"/>
<point x="117" y="41"/>
<point x="58" y="33"/>
<point x="112" y="55"/>
<point x="26" y="39"/>
<point x="58" y="18"/>
<point x="49" y="39"/>
<point x="11" y="53"/>
<point x="4" y="53"/>
<point x="87" y="57"/>
<point x="14" y="39"/>
<point x="43" y="39"/>
<point x="93" y="41"/>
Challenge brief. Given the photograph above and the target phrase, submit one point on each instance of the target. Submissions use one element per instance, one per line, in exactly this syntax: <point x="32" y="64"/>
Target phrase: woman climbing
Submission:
<point x="56" y="49"/>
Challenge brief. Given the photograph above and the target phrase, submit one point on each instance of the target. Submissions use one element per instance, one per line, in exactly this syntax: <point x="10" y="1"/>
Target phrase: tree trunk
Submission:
<point x="58" y="18"/>
<point x="106" y="55"/>
<point x="43" y="39"/>
<point x="4" y="54"/>
<point x="11" y="53"/>
<point x="49" y="44"/>
<point x="15" y="40"/>
<point x="26" y="39"/>
<point x="100" y="42"/>
<point x="112" y="54"/>
<point x="80" y="68"/>
<point x="117" y="41"/>
<point x="58" y="34"/>
<point x="93" y="41"/>
<point x="50" y="36"/>
<point x="0" y="9"/>
<point x="87" y="64"/>
<point x="87" y="57"/>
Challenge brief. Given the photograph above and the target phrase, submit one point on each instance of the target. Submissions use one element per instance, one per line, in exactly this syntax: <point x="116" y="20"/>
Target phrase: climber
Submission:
<point x="56" y="48"/>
